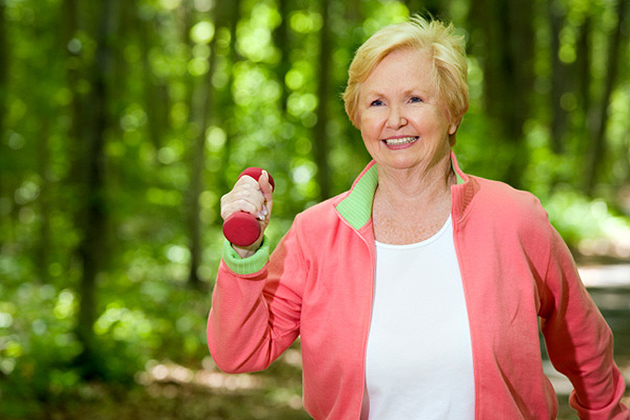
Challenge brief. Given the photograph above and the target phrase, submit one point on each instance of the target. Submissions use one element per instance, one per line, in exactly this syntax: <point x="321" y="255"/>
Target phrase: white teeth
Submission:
<point x="400" y="141"/>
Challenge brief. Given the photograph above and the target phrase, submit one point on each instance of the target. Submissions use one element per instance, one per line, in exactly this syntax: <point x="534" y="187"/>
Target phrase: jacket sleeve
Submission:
<point x="579" y="342"/>
<point x="255" y="314"/>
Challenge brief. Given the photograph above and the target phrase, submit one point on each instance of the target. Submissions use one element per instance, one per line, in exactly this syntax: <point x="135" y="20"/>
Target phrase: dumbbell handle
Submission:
<point x="241" y="228"/>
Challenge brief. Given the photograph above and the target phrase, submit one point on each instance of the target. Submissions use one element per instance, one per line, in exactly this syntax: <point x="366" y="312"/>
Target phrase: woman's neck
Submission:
<point x="417" y="184"/>
<point x="412" y="205"/>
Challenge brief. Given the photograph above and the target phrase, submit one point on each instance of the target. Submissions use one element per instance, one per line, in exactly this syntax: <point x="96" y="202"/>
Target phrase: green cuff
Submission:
<point x="249" y="265"/>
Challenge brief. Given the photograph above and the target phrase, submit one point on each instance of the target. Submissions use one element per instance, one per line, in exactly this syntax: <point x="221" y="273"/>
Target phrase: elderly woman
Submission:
<point x="418" y="293"/>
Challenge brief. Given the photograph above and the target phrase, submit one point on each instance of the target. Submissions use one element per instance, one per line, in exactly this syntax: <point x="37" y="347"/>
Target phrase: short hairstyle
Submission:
<point x="447" y="50"/>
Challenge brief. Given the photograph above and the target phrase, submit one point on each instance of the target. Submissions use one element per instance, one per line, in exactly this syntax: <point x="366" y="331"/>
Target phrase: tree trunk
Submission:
<point x="155" y="103"/>
<point x="583" y="96"/>
<point x="225" y="109"/>
<point x="559" y="81"/>
<point x="320" y="137"/>
<point x="353" y="12"/>
<point x="93" y="223"/>
<point x="201" y="113"/>
<point x="44" y="243"/>
<point x="597" y="129"/>
<point x="79" y="118"/>
<point x="507" y="50"/>
<point x="281" y="37"/>
<point x="4" y="84"/>
<point x="4" y="66"/>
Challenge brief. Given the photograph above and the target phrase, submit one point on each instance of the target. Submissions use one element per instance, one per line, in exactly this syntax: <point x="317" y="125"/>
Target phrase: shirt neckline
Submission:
<point x="420" y="244"/>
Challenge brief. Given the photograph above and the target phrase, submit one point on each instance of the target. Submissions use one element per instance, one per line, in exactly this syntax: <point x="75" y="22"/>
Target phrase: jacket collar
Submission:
<point x="356" y="206"/>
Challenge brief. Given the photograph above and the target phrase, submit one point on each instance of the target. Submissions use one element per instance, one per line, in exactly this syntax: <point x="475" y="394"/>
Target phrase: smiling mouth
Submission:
<point x="400" y="141"/>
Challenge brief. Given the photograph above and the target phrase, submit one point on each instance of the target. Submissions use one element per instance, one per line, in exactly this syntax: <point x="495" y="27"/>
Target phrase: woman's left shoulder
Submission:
<point x="500" y="193"/>
<point x="501" y="199"/>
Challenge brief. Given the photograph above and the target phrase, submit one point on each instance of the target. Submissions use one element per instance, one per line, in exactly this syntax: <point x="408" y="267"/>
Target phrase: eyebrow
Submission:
<point x="408" y="92"/>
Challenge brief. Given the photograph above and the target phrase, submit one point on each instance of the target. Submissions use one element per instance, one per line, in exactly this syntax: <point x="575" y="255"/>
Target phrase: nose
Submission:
<point x="396" y="118"/>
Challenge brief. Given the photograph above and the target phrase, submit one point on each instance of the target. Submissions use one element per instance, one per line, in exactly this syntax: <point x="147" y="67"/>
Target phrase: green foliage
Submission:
<point x="37" y="345"/>
<point x="589" y="224"/>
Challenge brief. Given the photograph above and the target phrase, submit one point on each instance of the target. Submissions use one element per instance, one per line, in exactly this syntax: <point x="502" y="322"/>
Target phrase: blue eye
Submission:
<point x="376" y="102"/>
<point x="415" y="99"/>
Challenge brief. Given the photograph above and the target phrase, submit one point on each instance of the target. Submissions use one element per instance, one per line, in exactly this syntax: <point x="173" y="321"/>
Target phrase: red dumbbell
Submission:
<point x="241" y="228"/>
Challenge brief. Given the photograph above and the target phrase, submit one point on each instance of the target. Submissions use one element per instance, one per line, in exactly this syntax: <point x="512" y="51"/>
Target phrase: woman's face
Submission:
<point x="403" y="120"/>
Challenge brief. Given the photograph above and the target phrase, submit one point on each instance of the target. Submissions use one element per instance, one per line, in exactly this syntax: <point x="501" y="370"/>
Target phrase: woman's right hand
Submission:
<point x="253" y="197"/>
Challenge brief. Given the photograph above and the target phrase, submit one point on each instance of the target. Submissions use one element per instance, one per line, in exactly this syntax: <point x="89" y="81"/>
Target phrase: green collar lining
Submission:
<point x="356" y="208"/>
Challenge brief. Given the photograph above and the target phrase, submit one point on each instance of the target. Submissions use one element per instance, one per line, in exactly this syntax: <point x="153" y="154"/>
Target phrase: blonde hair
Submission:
<point x="446" y="48"/>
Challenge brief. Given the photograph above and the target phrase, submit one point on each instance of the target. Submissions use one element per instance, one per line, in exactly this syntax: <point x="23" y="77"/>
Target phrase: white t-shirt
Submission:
<point x="419" y="354"/>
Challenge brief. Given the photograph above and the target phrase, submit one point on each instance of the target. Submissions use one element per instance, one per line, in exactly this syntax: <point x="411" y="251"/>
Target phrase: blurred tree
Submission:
<point x="597" y="128"/>
<point x="45" y="203"/>
<point x="504" y="42"/>
<point x="353" y="13"/>
<point x="201" y="115"/>
<point x="321" y="142"/>
<point x="560" y="79"/>
<point x="224" y="115"/>
<point x="155" y="96"/>
<point x="583" y="64"/>
<point x="282" y="40"/>
<point x="4" y="66"/>
<point x="93" y="213"/>
<point x="4" y="82"/>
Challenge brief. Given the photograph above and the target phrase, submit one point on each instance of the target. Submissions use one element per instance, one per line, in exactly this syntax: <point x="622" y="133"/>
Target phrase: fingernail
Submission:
<point x="262" y="213"/>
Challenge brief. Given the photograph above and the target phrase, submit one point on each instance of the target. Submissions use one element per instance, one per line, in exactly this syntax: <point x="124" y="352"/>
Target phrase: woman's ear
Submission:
<point x="452" y="129"/>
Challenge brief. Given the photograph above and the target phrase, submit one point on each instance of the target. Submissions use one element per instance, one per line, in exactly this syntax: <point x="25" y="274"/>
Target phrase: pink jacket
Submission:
<point x="516" y="271"/>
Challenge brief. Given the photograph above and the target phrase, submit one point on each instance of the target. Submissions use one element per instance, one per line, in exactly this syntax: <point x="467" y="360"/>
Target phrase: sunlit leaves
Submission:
<point x="27" y="192"/>
<point x="304" y="21"/>
<point x="66" y="305"/>
<point x="36" y="339"/>
<point x="216" y="138"/>
<point x="170" y="4"/>
<point x="303" y="176"/>
<point x="123" y="323"/>
<point x="134" y="118"/>
<point x="173" y="63"/>
<point x="583" y="220"/>
<point x="386" y="13"/>
<point x="295" y="79"/>
<point x="253" y="88"/>
<point x="202" y="32"/>
<point x="254" y="35"/>
<point x="301" y="105"/>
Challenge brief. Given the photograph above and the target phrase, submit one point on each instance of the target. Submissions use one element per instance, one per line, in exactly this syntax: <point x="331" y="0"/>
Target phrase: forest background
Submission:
<point x="122" y="122"/>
